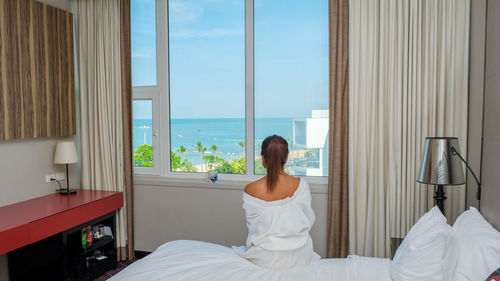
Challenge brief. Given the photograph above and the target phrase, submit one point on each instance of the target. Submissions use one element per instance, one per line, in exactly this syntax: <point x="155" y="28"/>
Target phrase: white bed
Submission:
<point x="185" y="260"/>
<point x="431" y="251"/>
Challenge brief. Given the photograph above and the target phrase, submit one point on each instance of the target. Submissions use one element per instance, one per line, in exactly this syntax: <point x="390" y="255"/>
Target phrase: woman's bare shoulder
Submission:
<point x="256" y="188"/>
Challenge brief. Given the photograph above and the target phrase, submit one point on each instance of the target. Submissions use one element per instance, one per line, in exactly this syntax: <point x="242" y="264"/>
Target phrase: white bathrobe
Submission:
<point x="278" y="231"/>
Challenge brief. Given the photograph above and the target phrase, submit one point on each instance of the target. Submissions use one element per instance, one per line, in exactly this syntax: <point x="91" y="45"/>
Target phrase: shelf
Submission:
<point x="100" y="268"/>
<point x="95" y="245"/>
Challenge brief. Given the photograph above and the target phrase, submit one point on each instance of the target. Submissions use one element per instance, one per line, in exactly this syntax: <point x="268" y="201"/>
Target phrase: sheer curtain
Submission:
<point x="408" y="80"/>
<point x="105" y="166"/>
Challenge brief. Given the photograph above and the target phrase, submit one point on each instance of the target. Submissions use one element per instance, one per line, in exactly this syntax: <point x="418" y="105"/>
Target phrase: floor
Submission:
<point x="120" y="267"/>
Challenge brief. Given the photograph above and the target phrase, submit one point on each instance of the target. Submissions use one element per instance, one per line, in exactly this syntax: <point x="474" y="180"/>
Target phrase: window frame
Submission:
<point x="160" y="95"/>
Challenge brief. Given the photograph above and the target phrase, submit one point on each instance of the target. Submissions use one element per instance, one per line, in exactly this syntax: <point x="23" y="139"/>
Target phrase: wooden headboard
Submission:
<point x="490" y="166"/>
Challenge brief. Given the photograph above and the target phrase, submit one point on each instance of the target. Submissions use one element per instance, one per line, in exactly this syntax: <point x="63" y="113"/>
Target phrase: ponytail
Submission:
<point x="275" y="153"/>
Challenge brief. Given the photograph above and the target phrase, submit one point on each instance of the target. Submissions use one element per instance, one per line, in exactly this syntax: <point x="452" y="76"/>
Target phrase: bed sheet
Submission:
<point x="185" y="260"/>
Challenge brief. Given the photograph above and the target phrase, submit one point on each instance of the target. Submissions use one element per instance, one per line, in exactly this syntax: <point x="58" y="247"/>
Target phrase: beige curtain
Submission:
<point x="97" y="31"/>
<point x="338" y="209"/>
<point x="408" y="80"/>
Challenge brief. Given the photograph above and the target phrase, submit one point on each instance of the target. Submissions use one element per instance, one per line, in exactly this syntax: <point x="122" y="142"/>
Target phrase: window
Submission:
<point x="143" y="133"/>
<point x="212" y="79"/>
<point x="143" y="41"/>
<point x="207" y="86"/>
<point x="291" y="81"/>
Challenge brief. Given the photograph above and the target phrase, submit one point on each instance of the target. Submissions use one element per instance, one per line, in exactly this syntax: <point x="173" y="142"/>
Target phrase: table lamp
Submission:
<point x="441" y="166"/>
<point x="66" y="154"/>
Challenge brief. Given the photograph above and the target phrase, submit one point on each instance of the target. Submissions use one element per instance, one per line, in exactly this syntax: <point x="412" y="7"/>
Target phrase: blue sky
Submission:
<point x="207" y="62"/>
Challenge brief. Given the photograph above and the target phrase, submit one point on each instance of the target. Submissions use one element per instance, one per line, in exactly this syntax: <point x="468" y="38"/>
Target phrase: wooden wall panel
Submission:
<point x="37" y="87"/>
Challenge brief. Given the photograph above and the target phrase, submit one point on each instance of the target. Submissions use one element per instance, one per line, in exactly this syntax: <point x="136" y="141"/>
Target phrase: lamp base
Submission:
<point x="440" y="197"/>
<point x="66" y="191"/>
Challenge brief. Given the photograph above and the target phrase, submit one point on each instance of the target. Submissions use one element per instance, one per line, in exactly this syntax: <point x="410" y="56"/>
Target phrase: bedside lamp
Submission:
<point x="441" y="165"/>
<point x="66" y="154"/>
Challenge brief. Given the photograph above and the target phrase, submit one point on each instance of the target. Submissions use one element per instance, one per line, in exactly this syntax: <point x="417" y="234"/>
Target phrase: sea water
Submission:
<point x="225" y="133"/>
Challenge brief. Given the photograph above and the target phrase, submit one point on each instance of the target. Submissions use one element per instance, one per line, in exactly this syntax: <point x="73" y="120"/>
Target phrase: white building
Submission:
<point x="312" y="134"/>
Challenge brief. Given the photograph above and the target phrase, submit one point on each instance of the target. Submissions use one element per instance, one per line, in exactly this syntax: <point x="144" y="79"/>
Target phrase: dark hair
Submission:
<point x="275" y="152"/>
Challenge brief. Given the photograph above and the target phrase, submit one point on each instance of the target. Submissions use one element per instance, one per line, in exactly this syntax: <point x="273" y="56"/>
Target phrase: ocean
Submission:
<point x="224" y="133"/>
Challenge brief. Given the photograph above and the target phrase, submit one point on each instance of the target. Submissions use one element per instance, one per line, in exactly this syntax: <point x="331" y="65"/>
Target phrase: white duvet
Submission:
<point x="278" y="247"/>
<point x="185" y="260"/>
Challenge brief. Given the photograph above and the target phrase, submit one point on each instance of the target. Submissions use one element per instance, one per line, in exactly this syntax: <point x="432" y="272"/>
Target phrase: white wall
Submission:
<point x="166" y="211"/>
<point x="23" y="166"/>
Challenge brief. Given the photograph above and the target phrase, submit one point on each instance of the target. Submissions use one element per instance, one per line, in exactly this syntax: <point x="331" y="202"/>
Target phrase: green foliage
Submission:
<point x="201" y="149"/>
<point x="181" y="149"/>
<point x="143" y="156"/>
<point x="224" y="167"/>
<point x="239" y="166"/>
<point x="214" y="148"/>
<point x="188" y="167"/>
<point x="212" y="160"/>
<point x="176" y="162"/>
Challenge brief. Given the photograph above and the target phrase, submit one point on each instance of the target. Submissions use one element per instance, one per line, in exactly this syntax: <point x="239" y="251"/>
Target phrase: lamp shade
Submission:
<point x="439" y="165"/>
<point x="65" y="153"/>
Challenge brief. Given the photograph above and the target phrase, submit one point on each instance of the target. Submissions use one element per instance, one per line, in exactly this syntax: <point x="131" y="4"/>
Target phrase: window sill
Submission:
<point x="317" y="186"/>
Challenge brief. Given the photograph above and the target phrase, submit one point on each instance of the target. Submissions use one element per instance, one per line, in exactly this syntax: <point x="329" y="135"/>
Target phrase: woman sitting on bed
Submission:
<point x="278" y="214"/>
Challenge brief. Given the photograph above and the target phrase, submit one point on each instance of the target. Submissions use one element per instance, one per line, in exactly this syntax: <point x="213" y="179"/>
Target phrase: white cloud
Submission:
<point x="184" y="11"/>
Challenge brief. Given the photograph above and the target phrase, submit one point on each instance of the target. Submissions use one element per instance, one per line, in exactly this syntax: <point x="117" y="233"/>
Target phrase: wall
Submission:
<point x="476" y="86"/>
<point x="491" y="136"/>
<point x="166" y="211"/>
<point x="24" y="164"/>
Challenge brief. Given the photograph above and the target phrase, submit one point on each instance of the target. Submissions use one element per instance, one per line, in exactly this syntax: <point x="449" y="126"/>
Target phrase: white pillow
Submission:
<point x="479" y="245"/>
<point x="428" y="251"/>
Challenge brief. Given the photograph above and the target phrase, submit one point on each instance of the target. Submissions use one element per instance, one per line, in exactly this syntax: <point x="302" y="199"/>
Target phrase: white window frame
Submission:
<point x="160" y="94"/>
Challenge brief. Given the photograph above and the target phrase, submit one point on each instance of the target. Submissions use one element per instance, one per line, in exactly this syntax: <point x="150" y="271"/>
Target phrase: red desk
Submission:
<point x="30" y="221"/>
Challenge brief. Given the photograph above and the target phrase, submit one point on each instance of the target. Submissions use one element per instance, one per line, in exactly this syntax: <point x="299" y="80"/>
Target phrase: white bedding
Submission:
<point x="185" y="260"/>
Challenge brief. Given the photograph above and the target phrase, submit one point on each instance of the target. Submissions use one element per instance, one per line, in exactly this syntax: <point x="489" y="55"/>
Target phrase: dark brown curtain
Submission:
<point x="126" y="72"/>
<point x="338" y="205"/>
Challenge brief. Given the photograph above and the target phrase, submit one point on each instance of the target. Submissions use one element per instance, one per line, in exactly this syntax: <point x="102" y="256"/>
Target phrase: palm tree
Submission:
<point x="214" y="148"/>
<point x="182" y="149"/>
<point x="201" y="150"/>
<point x="242" y="145"/>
